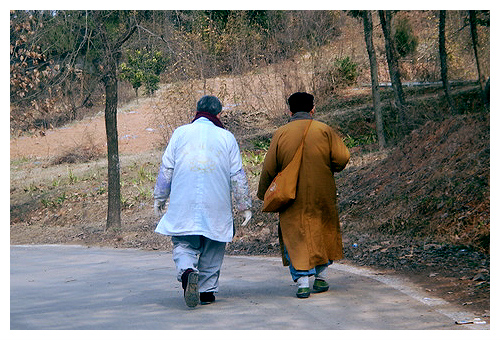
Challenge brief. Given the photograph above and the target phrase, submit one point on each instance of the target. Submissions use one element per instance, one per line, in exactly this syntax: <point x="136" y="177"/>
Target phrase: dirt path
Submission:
<point x="136" y="133"/>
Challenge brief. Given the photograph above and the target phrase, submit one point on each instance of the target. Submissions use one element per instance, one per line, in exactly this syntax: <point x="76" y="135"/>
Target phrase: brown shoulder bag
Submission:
<point x="283" y="188"/>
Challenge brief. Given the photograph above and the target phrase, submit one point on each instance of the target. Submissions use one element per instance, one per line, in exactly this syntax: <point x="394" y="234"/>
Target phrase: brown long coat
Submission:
<point x="309" y="227"/>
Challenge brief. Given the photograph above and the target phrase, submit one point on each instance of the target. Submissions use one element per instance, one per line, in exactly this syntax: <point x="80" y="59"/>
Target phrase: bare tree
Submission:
<point x="392" y="62"/>
<point x="443" y="58"/>
<point x="368" y="28"/>
<point x="473" y="32"/>
<point x="113" y="37"/>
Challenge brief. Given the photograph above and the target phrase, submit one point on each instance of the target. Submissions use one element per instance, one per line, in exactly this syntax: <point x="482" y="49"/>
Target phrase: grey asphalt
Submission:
<point x="81" y="288"/>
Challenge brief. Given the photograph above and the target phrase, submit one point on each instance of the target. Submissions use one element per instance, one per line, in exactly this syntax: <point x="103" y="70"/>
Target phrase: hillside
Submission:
<point x="436" y="185"/>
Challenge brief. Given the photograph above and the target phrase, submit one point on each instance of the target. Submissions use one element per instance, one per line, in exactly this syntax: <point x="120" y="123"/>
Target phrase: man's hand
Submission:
<point x="158" y="207"/>
<point x="247" y="214"/>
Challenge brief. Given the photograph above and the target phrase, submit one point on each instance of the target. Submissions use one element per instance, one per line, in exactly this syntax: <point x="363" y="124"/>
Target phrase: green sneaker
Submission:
<point x="320" y="286"/>
<point x="303" y="293"/>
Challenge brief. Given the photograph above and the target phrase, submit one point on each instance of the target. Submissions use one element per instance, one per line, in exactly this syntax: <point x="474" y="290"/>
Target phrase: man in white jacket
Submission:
<point x="200" y="169"/>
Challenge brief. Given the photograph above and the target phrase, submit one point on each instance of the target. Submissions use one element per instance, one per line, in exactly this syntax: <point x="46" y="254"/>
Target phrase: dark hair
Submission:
<point x="301" y="101"/>
<point x="209" y="104"/>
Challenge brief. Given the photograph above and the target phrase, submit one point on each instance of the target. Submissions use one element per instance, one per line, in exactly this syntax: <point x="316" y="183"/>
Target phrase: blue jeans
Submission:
<point x="298" y="273"/>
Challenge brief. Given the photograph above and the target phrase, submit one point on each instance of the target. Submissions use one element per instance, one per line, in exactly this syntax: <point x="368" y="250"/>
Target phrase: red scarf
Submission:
<point x="210" y="117"/>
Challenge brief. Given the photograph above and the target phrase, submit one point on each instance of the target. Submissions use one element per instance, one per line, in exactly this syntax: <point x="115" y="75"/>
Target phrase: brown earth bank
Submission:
<point x="418" y="209"/>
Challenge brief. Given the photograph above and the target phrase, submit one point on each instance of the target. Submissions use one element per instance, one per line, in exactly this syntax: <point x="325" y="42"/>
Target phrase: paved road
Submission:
<point x="73" y="287"/>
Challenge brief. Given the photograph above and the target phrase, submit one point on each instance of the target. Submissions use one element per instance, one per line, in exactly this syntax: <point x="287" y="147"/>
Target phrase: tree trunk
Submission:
<point x="110" y="23"/>
<point x="392" y="62"/>
<point x="444" y="63"/>
<point x="368" y="28"/>
<point x="114" y="196"/>
<point x="473" y="32"/>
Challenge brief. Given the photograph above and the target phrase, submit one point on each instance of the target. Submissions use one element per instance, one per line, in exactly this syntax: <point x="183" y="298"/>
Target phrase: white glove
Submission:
<point x="158" y="207"/>
<point x="247" y="214"/>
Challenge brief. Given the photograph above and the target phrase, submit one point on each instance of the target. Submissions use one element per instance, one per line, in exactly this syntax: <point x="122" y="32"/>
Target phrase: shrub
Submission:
<point x="346" y="71"/>
<point x="405" y="40"/>
<point x="143" y="68"/>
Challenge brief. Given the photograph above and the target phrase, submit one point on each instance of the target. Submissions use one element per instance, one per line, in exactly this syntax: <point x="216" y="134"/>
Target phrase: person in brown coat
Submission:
<point x="309" y="229"/>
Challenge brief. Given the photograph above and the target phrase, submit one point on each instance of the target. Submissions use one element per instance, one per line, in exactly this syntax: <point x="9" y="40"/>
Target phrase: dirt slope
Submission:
<point x="436" y="184"/>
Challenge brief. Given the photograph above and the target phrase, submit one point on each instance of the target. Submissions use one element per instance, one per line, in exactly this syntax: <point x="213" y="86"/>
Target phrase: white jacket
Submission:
<point x="200" y="168"/>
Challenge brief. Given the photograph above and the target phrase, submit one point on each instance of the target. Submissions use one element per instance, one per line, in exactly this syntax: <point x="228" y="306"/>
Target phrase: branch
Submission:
<point x="126" y="35"/>
<point x="156" y="36"/>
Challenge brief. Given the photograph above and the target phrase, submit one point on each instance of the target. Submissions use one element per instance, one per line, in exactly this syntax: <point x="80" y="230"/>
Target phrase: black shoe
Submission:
<point x="207" y="298"/>
<point x="190" y="285"/>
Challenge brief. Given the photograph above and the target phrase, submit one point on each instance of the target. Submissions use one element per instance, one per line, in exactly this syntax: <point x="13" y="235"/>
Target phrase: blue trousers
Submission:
<point x="298" y="273"/>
